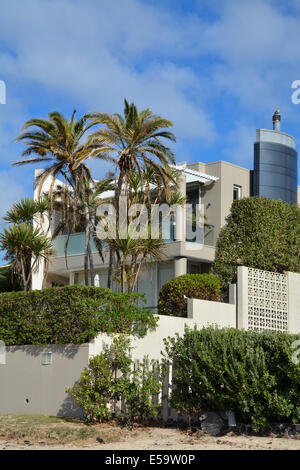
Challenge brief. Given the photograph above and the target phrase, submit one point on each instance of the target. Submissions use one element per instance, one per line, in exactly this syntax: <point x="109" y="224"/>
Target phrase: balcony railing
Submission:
<point x="75" y="245"/>
<point x="76" y="242"/>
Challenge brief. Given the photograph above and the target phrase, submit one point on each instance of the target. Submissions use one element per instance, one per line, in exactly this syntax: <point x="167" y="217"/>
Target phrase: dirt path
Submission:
<point x="173" y="439"/>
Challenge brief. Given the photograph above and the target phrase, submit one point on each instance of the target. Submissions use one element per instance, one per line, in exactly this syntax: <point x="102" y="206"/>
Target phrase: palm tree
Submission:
<point x="26" y="210"/>
<point x="92" y="200"/>
<point x="133" y="141"/>
<point x="22" y="242"/>
<point x="132" y="253"/>
<point x="59" y="143"/>
<point x="80" y="214"/>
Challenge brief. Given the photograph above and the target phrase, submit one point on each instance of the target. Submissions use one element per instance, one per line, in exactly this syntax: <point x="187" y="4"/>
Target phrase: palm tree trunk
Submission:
<point x="123" y="276"/>
<point x="86" y="269"/>
<point x="110" y="263"/>
<point x="23" y="273"/>
<point x="87" y="242"/>
<point x="92" y="271"/>
<point x="86" y="252"/>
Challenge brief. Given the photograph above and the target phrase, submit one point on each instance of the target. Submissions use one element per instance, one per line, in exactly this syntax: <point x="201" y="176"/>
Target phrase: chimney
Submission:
<point x="276" y="120"/>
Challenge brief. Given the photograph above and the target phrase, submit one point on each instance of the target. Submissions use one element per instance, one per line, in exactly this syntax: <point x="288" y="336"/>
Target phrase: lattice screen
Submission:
<point x="267" y="301"/>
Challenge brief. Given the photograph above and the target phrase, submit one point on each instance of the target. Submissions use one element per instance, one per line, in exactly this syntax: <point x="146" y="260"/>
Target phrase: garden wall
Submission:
<point x="27" y="386"/>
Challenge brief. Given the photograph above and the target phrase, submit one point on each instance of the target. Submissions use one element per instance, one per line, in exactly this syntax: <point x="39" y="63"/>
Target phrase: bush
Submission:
<point x="248" y="372"/>
<point x="196" y="286"/>
<point x="70" y="314"/>
<point x="259" y="233"/>
<point x="111" y="377"/>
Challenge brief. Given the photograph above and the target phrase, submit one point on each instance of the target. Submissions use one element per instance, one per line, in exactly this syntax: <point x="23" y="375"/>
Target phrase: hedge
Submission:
<point x="255" y="374"/>
<point x="70" y="314"/>
<point x="259" y="233"/>
<point x="172" y="295"/>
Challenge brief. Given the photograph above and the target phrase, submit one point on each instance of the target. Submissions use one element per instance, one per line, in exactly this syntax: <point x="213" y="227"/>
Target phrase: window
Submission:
<point x="236" y="192"/>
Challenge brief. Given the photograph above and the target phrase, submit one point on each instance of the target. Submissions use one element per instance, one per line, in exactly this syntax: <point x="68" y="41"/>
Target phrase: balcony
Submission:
<point x="76" y="243"/>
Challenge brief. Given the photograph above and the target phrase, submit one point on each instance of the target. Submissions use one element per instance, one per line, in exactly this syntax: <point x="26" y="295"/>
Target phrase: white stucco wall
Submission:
<point x="294" y="302"/>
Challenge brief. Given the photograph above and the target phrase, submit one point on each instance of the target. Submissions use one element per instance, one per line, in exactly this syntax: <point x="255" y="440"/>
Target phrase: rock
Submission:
<point x="211" y="423"/>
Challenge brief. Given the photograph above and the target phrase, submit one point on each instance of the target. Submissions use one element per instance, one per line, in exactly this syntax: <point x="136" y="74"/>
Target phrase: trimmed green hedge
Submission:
<point x="252" y="373"/>
<point x="70" y="314"/>
<point x="259" y="233"/>
<point x="195" y="286"/>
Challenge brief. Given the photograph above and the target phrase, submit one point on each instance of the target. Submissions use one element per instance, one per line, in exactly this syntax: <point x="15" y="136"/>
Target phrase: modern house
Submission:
<point x="214" y="186"/>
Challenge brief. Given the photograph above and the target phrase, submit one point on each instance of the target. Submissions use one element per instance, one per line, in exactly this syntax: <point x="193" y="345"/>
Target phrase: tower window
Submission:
<point x="236" y="192"/>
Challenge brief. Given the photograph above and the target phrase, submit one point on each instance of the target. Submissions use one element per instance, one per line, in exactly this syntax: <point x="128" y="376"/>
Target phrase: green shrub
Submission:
<point x="259" y="233"/>
<point x="196" y="286"/>
<point x="70" y="314"/>
<point x="111" y="377"/>
<point x="248" y="372"/>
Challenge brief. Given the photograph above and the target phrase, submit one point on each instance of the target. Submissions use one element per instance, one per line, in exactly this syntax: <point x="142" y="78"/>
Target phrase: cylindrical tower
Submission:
<point x="275" y="163"/>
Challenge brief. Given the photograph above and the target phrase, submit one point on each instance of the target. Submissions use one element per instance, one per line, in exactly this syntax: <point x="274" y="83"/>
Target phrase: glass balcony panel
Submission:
<point x="75" y="246"/>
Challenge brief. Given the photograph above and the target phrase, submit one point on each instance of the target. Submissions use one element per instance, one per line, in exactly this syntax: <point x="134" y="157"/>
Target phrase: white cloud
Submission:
<point x="100" y="52"/>
<point x="94" y="53"/>
<point x="257" y="54"/>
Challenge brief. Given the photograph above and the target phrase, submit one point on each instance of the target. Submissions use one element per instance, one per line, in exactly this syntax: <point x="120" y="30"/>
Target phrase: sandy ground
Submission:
<point x="174" y="439"/>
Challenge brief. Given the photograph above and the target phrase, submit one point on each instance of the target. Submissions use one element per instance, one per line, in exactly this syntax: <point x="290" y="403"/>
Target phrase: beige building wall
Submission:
<point x="217" y="197"/>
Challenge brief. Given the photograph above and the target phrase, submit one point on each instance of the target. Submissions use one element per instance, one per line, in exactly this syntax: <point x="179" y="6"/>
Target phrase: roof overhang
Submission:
<point x="194" y="175"/>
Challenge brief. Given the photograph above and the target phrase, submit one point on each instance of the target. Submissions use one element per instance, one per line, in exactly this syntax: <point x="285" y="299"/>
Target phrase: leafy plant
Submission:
<point x="70" y="314"/>
<point x="141" y="391"/>
<point x="25" y="246"/>
<point x="172" y="296"/>
<point x="259" y="233"/>
<point x="110" y="378"/>
<point x="136" y="143"/>
<point x="249" y="372"/>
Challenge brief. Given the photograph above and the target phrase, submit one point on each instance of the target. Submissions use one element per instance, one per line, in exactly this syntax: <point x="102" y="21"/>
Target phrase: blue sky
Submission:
<point x="217" y="69"/>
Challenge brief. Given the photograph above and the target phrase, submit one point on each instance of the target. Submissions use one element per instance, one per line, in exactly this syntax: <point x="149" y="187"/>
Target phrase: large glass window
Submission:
<point x="237" y="191"/>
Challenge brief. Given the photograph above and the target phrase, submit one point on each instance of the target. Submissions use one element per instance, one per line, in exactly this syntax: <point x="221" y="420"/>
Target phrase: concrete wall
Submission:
<point x="294" y="302"/>
<point x="28" y="387"/>
<point x="152" y="344"/>
<point x="205" y="313"/>
<point x="275" y="304"/>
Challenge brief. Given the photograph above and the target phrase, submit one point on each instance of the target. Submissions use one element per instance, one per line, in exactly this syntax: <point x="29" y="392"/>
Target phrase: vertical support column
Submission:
<point x="293" y="280"/>
<point x="180" y="266"/>
<point x="232" y="294"/>
<point x="38" y="275"/>
<point x="180" y="218"/>
<point x="242" y="298"/>
<point x="71" y="278"/>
